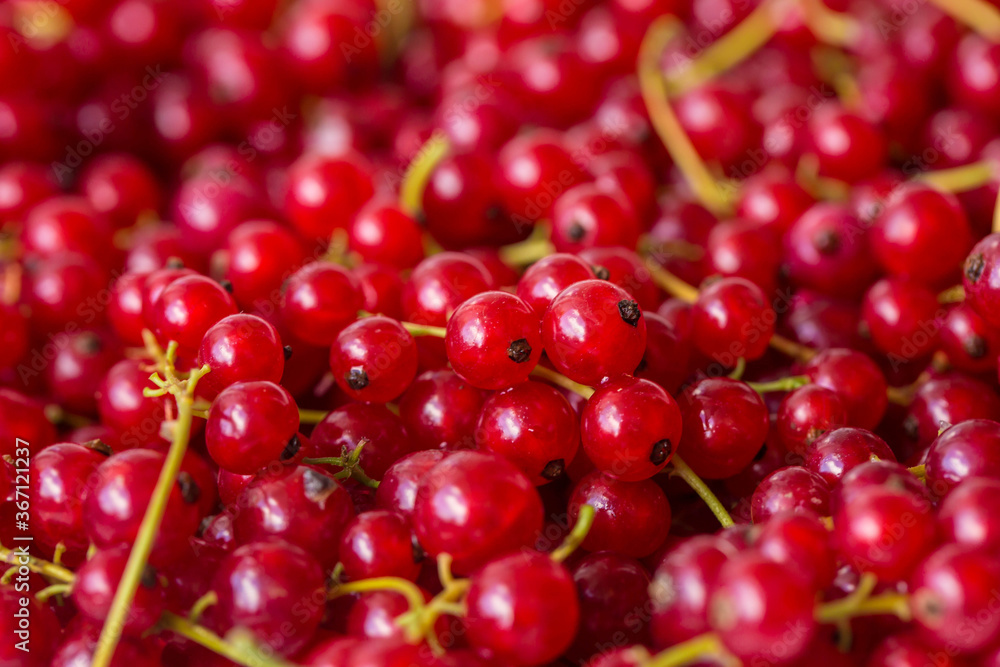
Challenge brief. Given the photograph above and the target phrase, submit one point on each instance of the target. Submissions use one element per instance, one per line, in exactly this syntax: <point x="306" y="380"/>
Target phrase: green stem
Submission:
<point x="741" y="366"/>
<point x="404" y="587"/>
<point x="312" y="416"/>
<point x="209" y="599"/>
<point x="887" y="604"/>
<point x="561" y="380"/>
<point x="54" y="589"/>
<point x="42" y="567"/>
<point x="414" y="328"/>
<point x="693" y="650"/>
<point x="242" y="653"/>
<point x="122" y="601"/>
<point x="584" y="522"/>
<point x="784" y="384"/>
<point x="418" y="173"/>
<point x="959" y="179"/>
<point x="683" y="470"/>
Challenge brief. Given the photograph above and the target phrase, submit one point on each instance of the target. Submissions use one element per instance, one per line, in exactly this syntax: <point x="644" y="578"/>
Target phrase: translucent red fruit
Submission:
<point x="610" y="588"/>
<point x="837" y="452"/>
<point x="630" y="428"/>
<point x="594" y="330"/>
<point x="827" y="249"/>
<point x="884" y="530"/>
<point x="802" y="542"/>
<point x="523" y="609"/>
<point x="631" y="518"/>
<point x="269" y="585"/>
<point x="439" y="285"/>
<point x="319" y="300"/>
<point x="251" y="425"/>
<point x="44" y="630"/>
<point x="725" y="425"/>
<point x="754" y="605"/>
<point x="63" y="474"/>
<point x="324" y="193"/>
<point x="587" y="216"/>
<point x="117" y="503"/>
<point x="533" y="426"/>
<point x="475" y="506"/>
<point x="382" y="232"/>
<point x="493" y="340"/>
<point x="970" y="515"/>
<point x="856" y="379"/>
<point x="240" y="348"/>
<point x="188" y="307"/>
<point x="374" y="359"/>
<point x="546" y="278"/>
<point x="98" y="579"/>
<point x="981" y="279"/>
<point x="732" y="319"/>
<point x="791" y="489"/>
<point x="921" y="235"/>
<point x="344" y="429"/>
<point x="398" y="489"/>
<point x="807" y="413"/>
<point x="261" y="255"/>
<point x="967" y="449"/>
<point x="379" y="543"/>
<point x="952" y="597"/>
<point x="440" y="410"/>
<point x="300" y="505"/>
<point x="903" y="319"/>
<point x="847" y="146"/>
<point x="681" y="587"/>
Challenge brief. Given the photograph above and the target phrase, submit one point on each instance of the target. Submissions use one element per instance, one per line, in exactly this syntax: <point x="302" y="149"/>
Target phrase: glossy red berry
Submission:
<point x="319" y="300"/>
<point x="262" y="255"/>
<point x="379" y="543"/>
<point x="952" y="594"/>
<point x="95" y="585"/>
<point x="681" y="588"/>
<point x="732" y="319"/>
<point x="133" y="417"/>
<point x="523" y="609"/>
<point x="475" y="506"/>
<point x="240" y="348"/>
<point x="828" y="250"/>
<point x="837" y="452"/>
<point x="883" y="530"/>
<point x="968" y="516"/>
<point x="299" y="505"/>
<point x="594" y="330"/>
<point x="533" y="426"/>
<point x="801" y="542"/>
<point x="807" y="413"/>
<point x="967" y="449"/>
<point x="251" y="425"/>
<point x="398" y="489"/>
<point x="545" y="279"/>
<point x="753" y="606"/>
<point x="116" y="505"/>
<point x="856" y="379"/>
<point x="374" y="359"/>
<point x="971" y="344"/>
<point x="630" y="428"/>
<point x="790" y="489"/>
<point x="440" y="410"/>
<point x="385" y="437"/>
<point x="268" y="585"/>
<point x="725" y="425"/>
<point x="948" y="399"/>
<point x="324" y="193"/>
<point x="493" y="340"/>
<point x="384" y="233"/>
<point x="64" y="474"/>
<point x="631" y="518"/>
<point x="188" y="307"/>
<point x="41" y="624"/>
<point x="981" y="279"/>
<point x="610" y="588"/>
<point x="847" y="146"/>
<point x="440" y="284"/>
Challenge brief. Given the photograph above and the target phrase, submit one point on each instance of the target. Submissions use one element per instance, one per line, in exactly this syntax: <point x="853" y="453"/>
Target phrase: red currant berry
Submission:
<point x="837" y="452"/>
<point x="440" y="410"/>
<point x="791" y="489"/>
<point x="630" y="428"/>
<point x="546" y="278"/>
<point x="398" y="490"/>
<point x="610" y="588"/>
<point x="374" y="359"/>
<point x="856" y="379"/>
<point x="631" y="518"/>
<point x="251" y="425"/>
<point x="967" y="449"/>
<point x="379" y="544"/>
<point x="594" y="330"/>
<point x="732" y="319"/>
<point x="318" y="301"/>
<point x="188" y="307"/>
<point x="801" y="542"/>
<point x="385" y="437"/>
<point x="493" y="340"/>
<point x="261" y="255"/>
<point x="725" y="425"/>
<point x="807" y="413"/>
<point x="681" y="587"/>
<point x="475" y="506"/>
<point x="95" y="584"/>
<point x="64" y="475"/>
<point x="968" y="516"/>
<point x="533" y="426"/>
<point x="240" y="348"/>
<point x="522" y="609"/>
<point x="439" y="285"/>
<point x="384" y="233"/>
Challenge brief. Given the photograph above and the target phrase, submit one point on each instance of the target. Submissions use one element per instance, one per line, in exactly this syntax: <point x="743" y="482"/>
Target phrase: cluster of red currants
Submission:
<point x="414" y="333"/>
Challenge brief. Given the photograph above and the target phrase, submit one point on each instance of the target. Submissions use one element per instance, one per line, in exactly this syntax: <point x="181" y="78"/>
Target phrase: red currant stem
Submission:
<point x="796" y="351"/>
<point x="671" y="284"/>
<point x="697" y="484"/>
<point x="350" y="462"/>
<point x="561" y="380"/>
<point x="790" y="383"/>
<point x="692" y="650"/>
<point x="896" y="604"/>
<point x="53" y="590"/>
<point x="414" y="328"/>
<point x="337" y="251"/>
<point x="979" y="15"/>
<point x="529" y="250"/>
<point x="58" y="553"/>
<point x="122" y="601"/>
<point x="209" y="599"/>
<point x="955" y="294"/>
<point x="919" y="471"/>
<point x="829" y="26"/>
<point x="677" y="143"/>
<point x="738" y="44"/>
<point x="12" y="280"/>
<point x="312" y="416"/>
<point x="238" y="649"/>
<point x="959" y="179"/>
<point x="807" y="175"/>
<point x="411" y="190"/>
<point x="404" y="587"/>
<point x="741" y="366"/>
<point x="678" y="248"/>
<point x="445" y="575"/>
<point x="42" y="567"/>
<point x="8" y="575"/>
<point x="584" y="522"/>
<point x="996" y="216"/>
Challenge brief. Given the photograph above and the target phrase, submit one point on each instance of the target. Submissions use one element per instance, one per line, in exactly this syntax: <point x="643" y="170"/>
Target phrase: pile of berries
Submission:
<point x="482" y="333"/>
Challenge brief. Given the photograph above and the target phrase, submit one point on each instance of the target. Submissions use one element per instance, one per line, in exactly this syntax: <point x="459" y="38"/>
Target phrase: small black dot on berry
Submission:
<point x="519" y="351"/>
<point x="190" y="491"/>
<point x="554" y="468"/>
<point x="292" y="448"/>
<point x="974" y="266"/>
<point x="629" y="310"/>
<point x="661" y="452"/>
